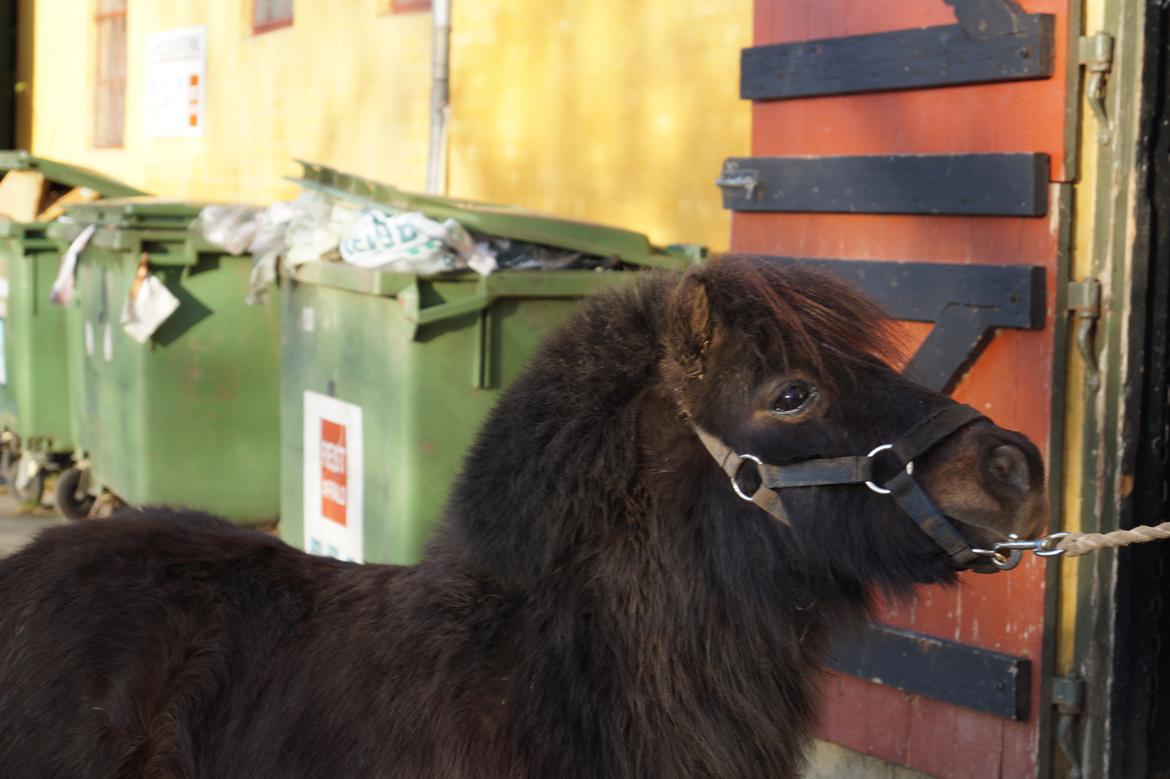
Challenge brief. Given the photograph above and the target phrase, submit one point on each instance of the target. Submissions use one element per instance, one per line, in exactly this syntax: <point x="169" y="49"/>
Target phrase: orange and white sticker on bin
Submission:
<point x="333" y="477"/>
<point x="334" y="466"/>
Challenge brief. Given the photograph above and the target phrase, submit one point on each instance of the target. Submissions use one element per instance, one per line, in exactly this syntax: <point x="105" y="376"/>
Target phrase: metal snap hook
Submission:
<point x="1048" y="546"/>
<point x="883" y="490"/>
<point x="999" y="559"/>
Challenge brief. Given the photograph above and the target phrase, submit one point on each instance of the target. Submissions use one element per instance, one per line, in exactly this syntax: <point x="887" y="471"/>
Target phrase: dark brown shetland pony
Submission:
<point x="597" y="602"/>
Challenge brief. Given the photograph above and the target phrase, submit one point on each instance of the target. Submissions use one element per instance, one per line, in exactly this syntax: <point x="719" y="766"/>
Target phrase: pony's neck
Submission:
<point x="552" y="471"/>
<point x="588" y="500"/>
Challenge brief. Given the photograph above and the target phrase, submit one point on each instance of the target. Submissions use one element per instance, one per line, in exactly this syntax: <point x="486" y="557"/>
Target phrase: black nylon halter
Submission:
<point x="908" y="494"/>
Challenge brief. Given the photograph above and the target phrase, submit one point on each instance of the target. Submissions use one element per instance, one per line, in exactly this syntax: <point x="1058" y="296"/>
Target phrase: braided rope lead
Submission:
<point x="1077" y="544"/>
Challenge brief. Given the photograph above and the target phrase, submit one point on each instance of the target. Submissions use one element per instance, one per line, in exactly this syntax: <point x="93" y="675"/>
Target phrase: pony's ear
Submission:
<point x="692" y="325"/>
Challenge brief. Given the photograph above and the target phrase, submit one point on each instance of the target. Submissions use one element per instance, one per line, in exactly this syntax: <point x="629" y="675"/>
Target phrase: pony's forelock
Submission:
<point x="803" y="315"/>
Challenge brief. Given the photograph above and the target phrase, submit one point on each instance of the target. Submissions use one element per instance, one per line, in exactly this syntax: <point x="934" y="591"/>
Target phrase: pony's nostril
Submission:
<point x="1008" y="465"/>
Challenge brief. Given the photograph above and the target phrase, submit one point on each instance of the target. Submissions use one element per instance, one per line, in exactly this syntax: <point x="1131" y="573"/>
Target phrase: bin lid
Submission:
<point x="137" y="213"/>
<point x="503" y="221"/>
<point x="66" y="174"/>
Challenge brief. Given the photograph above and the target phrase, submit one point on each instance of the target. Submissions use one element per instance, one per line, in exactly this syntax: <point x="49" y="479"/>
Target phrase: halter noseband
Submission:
<point x="909" y="495"/>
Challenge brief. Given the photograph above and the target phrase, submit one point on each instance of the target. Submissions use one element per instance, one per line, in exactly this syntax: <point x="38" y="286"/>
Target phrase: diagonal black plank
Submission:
<point x="955" y="342"/>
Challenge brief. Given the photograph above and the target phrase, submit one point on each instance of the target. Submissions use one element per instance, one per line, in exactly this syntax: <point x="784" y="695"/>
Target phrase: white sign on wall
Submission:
<point x="333" y="477"/>
<point x="176" y="65"/>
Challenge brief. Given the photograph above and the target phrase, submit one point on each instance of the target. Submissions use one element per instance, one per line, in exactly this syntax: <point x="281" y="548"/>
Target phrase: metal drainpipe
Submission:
<point x="440" y="94"/>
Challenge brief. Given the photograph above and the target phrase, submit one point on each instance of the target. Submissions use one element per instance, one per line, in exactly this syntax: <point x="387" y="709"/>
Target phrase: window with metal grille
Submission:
<point x="406" y="6"/>
<point x="271" y="14"/>
<point x="110" y="75"/>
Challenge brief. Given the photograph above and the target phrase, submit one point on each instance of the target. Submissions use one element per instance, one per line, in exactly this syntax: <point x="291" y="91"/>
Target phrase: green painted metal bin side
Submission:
<point x="71" y="348"/>
<point x="190" y="417"/>
<point x="34" y="400"/>
<point x="425" y="360"/>
<point x="35" y="395"/>
<point x="7" y="396"/>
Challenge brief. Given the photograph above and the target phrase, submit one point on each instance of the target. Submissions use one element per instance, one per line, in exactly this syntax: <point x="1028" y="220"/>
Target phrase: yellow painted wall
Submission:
<point x="608" y="110"/>
<point x="345" y="84"/>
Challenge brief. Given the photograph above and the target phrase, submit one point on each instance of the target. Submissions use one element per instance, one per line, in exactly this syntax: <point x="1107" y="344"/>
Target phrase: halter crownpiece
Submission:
<point x="833" y="471"/>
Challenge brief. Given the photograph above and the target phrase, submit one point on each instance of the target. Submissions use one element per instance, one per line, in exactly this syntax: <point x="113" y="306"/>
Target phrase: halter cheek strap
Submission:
<point x="908" y="494"/>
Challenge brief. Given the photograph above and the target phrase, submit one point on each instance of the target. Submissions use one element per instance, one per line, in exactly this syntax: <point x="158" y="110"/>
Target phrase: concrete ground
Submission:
<point x="19" y="525"/>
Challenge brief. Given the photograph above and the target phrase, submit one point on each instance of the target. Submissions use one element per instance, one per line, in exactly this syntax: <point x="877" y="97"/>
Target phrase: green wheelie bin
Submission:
<point x="36" y="434"/>
<point x="189" y="416"/>
<point x="386" y="377"/>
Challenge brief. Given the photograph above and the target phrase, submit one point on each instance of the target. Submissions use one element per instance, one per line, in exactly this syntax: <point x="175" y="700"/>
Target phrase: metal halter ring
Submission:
<point x="735" y="484"/>
<point x="882" y="490"/>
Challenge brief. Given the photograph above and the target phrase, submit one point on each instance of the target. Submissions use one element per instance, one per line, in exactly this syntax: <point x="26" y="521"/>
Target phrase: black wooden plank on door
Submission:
<point x="956" y="341"/>
<point x="958" y="184"/>
<point x="960" y="674"/>
<point x="966" y="303"/>
<point x="1011" y="295"/>
<point x="904" y="59"/>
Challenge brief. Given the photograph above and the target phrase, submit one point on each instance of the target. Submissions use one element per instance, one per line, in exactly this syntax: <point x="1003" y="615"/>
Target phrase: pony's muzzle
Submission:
<point x="991" y="479"/>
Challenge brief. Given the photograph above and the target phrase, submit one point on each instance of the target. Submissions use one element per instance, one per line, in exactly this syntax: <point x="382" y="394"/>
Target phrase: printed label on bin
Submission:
<point x="334" y="462"/>
<point x="333" y="477"/>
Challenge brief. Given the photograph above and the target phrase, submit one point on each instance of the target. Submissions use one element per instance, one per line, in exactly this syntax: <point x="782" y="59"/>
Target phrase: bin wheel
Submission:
<point x="33" y="491"/>
<point x="72" y="504"/>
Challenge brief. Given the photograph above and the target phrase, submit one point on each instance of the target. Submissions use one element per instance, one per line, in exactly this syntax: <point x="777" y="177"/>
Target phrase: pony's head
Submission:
<point x="789" y="366"/>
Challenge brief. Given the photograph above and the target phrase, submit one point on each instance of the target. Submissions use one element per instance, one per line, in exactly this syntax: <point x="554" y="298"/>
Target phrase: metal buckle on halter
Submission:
<point x="883" y="490"/>
<point x="735" y="484"/>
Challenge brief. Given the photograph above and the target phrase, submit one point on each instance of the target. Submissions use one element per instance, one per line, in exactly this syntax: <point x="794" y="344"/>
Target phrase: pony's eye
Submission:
<point x="793" y="397"/>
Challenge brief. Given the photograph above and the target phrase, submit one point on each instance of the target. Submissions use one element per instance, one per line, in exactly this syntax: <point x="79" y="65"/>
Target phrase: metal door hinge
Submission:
<point x="1068" y="696"/>
<point x="1084" y="301"/>
<point x="1095" y="52"/>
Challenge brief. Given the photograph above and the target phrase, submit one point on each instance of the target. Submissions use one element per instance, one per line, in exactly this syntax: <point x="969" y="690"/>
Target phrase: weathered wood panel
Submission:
<point x="904" y="59"/>
<point x="938" y="184"/>
<point x="1024" y="116"/>
<point x="993" y="682"/>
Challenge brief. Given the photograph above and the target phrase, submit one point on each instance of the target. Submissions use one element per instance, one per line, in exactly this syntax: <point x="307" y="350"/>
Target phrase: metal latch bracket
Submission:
<point x="1095" y="53"/>
<point x="1068" y="696"/>
<point x="1084" y="301"/>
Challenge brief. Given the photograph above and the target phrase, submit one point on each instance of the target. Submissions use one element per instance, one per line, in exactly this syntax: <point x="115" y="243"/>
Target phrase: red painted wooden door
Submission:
<point x="1011" y="381"/>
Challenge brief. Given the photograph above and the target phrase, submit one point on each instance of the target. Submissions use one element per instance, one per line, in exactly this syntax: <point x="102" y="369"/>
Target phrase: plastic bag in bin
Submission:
<point x="412" y="243"/>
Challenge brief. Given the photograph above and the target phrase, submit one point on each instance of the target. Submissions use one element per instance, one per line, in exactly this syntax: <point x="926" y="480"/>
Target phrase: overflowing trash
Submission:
<point x="318" y="228"/>
<point x="412" y="243"/>
<point x="62" y="290"/>
<point x="298" y="231"/>
<point x="29" y="196"/>
<point x="148" y="304"/>
<point x="313" y="228"/>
